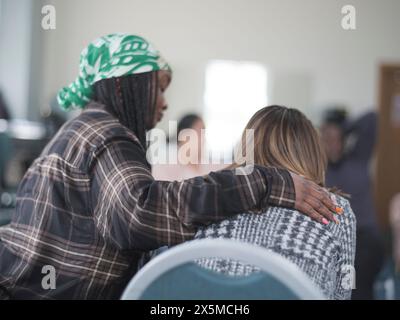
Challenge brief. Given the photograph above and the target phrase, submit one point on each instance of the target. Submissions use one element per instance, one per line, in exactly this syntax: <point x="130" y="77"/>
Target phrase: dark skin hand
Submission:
<point x="314" y="201"/>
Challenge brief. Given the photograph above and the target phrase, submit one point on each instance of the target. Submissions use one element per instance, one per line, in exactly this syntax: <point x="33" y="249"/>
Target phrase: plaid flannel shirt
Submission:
<point x="90" y="209"/>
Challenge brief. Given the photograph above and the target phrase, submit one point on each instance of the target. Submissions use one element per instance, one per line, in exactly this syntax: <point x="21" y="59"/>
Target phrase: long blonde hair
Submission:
<point x="284" y="138"/>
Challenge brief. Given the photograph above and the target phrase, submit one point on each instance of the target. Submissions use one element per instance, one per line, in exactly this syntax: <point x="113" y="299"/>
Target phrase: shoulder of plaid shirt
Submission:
<point x="90" y="208"/>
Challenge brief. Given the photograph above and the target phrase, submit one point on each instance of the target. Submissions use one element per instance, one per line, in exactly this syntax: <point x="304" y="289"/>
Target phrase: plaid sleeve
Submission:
<point x="136" y="212"/>
<point x="281" y="188"/>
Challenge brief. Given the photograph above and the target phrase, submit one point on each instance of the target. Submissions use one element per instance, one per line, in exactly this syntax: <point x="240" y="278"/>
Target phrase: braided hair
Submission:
<point x="132" y="99"/>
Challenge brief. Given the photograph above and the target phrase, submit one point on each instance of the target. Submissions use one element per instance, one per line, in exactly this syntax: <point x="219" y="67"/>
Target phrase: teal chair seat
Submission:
<point x="173" y="275"/>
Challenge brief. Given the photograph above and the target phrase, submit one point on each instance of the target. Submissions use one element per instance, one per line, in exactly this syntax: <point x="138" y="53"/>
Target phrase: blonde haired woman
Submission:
<point x="284" y="138"/>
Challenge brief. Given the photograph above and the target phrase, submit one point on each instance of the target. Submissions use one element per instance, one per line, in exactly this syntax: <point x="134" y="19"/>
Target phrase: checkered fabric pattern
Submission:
<point x="324" y="253"/>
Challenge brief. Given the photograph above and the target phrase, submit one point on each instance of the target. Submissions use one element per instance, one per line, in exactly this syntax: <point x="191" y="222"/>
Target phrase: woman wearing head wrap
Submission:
<point x="88" y="209"/>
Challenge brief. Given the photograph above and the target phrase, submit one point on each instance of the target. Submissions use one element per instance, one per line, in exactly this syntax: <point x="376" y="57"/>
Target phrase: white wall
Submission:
<point x="311" y="60"/>
<point x="15" y="54"/>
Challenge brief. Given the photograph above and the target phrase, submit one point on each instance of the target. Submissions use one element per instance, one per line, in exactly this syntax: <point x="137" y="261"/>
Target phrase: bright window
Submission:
<point x="234" y="91"/>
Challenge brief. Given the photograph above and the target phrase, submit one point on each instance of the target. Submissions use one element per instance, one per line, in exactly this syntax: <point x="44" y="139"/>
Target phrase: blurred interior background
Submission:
<point x="229" y="59"/>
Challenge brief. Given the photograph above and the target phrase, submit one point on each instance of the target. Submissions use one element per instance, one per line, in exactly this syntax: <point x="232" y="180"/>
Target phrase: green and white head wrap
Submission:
<point x="111" y="56"/>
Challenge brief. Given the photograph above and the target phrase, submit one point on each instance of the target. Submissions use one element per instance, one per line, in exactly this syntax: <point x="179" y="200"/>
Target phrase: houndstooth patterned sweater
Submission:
<point x="324" y="253"/>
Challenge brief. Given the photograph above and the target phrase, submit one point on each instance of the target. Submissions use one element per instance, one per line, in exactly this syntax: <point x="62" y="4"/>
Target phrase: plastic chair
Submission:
<point x="174" y="275"/>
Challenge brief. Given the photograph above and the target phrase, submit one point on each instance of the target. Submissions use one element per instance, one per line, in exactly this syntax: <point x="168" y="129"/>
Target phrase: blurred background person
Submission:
<point x="4" y="140"/>
<point x="349" y="146"/>
<point x="395" y="225"/>
<point x="190" y="147"/>
<point x="4" y="114"/>
<point x="53" y="117"/>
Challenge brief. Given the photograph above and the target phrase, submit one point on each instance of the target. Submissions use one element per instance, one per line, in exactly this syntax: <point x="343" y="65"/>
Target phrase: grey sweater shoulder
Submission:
<point x="324" y="253"/>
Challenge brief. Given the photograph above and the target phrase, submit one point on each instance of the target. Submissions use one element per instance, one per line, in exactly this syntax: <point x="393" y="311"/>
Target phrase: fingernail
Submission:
<point x="336" y="221"/>
<point x="324" y="221"/>
<point x="339" y="210"/>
